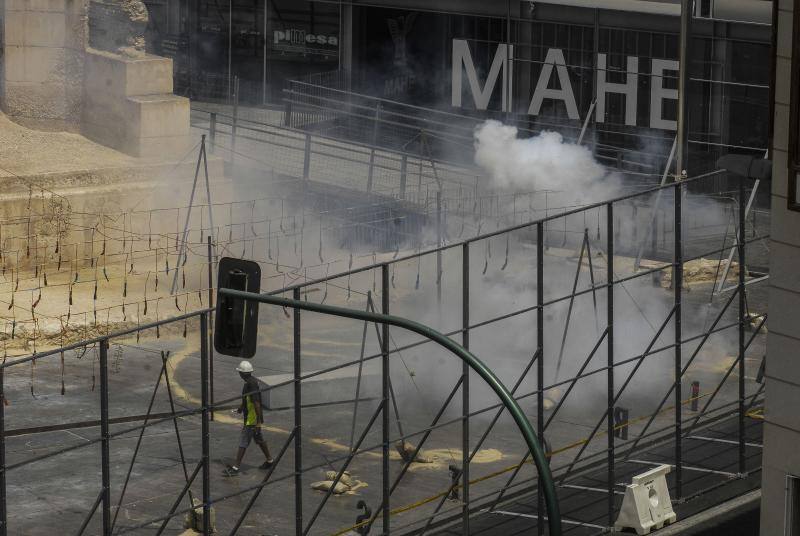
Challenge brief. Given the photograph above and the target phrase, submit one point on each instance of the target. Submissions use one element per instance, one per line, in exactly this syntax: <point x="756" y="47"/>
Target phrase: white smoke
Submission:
<point x="543" y="162"/>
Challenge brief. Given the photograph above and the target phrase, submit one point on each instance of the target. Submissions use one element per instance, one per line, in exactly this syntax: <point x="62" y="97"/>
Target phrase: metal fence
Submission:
<point x="463" y="299"/>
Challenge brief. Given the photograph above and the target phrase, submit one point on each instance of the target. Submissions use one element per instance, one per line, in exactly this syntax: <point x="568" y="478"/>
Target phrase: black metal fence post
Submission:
<point x="385" y="392"/>
<point x="211" y="325"/>
<point x="298" y="420"/>
<point x="212" y="130"/>
<point x="206" y="446"/>
<point x="742" y="320"/>
<point x="104" y="434"/>
<point x="3" y="511"/>
<point x="610" y="347"/>
<point x="371" y="169"/>
<point x="235" y="121"/>
<point x="540" y="362"/>
<point x="287" y="114"/>
<point x="677" y="281"/>
<point x="403" y="175"/>
<point x="307" y="157"/>
<point x="465" y="449"/>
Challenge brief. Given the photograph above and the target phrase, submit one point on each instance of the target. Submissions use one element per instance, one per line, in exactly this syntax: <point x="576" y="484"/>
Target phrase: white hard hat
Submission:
<point x="245" y="366"/>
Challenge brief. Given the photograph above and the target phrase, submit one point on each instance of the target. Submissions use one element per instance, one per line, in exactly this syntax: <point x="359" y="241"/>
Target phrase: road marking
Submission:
<point x="587" y="488"/>
<point x="729" y="441"/>
<point x="534" y="516"/>
<point x="688" y="468"/>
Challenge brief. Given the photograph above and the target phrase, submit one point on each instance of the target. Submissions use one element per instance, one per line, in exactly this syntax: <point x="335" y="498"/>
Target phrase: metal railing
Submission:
<point x="428" y="513"/>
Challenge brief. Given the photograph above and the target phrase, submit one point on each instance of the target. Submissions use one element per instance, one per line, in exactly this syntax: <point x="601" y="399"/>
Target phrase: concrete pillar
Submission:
<point x="43" y="62"/>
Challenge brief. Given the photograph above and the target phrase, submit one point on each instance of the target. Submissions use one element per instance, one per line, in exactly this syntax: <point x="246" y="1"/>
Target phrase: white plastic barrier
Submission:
<point x="646" y="505"/>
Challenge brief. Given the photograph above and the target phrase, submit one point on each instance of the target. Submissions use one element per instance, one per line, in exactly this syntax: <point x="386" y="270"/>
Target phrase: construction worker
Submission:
<point x="253" y="419"/>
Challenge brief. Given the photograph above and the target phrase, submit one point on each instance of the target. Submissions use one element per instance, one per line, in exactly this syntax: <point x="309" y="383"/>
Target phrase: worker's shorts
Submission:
<point x="250" y="433"/>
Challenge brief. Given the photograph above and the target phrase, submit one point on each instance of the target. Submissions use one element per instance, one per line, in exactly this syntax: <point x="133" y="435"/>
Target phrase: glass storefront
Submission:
<point x="262" y="42"/>
<point x="410" y="57"/>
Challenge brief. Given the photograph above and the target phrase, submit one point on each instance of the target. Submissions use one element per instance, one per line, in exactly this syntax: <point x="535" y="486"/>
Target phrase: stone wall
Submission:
<point x="118" y="26"/>
<point x="43" y="62"/>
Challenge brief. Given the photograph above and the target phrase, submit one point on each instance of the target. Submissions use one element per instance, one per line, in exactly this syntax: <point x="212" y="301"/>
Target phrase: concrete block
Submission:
<point x="784" y="35"/>
<point x="34" y="64"/>
<point x="163" y="146"/>
<point x="780" y="173"/>
<point x="37" y="5"/>
<point x="46" y="29"/>
<point x="773" y="497"/>
<point x="14" y="64"/>
<point x="127" y="77"/>
<point x="782" y="447"/>
<point x="788" y="302"/>
<point x="162" y="115"/>
<point x="129" y="105"/>
<point x="783" y="361"/>
<point x="781" y="126"/>
<point x="783" y="70"/>
<point x="785" y="223"/>
<point x="783" y="266"/>
<point x="14" y="28"/>
<point x="784" y="410"/>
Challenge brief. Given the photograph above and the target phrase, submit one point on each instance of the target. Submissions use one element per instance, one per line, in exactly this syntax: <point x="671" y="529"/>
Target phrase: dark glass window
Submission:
<point x="794" y="124"/>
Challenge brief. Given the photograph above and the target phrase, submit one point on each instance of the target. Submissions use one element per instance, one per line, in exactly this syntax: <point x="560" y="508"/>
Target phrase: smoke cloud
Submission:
<point x="542" y="162"/>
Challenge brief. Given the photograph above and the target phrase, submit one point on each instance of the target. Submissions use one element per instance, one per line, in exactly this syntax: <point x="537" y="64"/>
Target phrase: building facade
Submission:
<point x="780" y="504"/>
<point x="545" y="63"/>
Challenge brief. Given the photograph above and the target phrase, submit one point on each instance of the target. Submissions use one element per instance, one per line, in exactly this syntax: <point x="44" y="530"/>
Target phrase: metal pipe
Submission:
<point x="465" y="405"/>
<point x="683" y="74"/>
<point x="610" y="347"/>
<point x="474" y="363"/>
<point x="742" y="320"/>
<point x="677" y="281"/>
<point x="104" y="448"/>
<point x="211" y="306"/>
<point x="206" y="446"/>
<point x="3" y="497"/>
<point x="298" y="421"/>
<point x="358" y="377"/>
<point x="385" y="373"/>
<point x="540" y="363"/>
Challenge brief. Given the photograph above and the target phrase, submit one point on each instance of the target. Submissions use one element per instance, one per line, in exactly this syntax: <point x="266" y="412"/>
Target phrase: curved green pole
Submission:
<point x="554" y="516"/>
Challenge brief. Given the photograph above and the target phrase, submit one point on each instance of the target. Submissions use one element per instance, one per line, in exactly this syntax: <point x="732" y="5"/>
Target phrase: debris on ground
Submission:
<point x="326" y="485"/>
<point x="346" y="478"/>
<point x="406" y="451"/>
<point x="701" y="271"/>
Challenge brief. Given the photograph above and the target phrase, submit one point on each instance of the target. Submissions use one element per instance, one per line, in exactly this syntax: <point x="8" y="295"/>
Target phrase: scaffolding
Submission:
<point x="616" y="435"/>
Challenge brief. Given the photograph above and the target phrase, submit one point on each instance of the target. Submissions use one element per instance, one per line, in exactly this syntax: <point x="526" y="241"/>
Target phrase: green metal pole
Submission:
<point x="551" y="499"/>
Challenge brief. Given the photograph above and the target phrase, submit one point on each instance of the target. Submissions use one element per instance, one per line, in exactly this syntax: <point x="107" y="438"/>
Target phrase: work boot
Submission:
<point x="267" y="464"/>
<point x="231" y="471"/>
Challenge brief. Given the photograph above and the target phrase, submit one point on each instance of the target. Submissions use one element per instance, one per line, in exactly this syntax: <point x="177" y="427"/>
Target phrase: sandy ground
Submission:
<point x="24" y="151"/>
